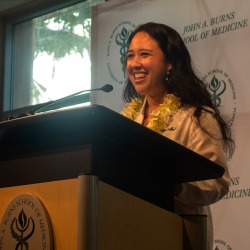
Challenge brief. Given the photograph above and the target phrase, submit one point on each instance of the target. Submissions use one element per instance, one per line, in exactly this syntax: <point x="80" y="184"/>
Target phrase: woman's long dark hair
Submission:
<point x="183" y="81"/>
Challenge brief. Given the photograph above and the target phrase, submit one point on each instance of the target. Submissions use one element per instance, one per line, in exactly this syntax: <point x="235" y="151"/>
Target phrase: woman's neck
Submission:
<point x="152" y="103"/>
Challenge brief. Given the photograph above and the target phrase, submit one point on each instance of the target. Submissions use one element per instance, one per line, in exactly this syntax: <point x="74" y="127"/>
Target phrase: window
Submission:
<point x="48" y="56"/>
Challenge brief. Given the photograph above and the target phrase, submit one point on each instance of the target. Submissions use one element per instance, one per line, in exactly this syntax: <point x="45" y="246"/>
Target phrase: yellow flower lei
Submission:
<point x="159" y="119"/>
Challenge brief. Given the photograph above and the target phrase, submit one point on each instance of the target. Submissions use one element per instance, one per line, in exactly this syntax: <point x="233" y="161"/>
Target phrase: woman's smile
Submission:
<point x="139" y="76"/>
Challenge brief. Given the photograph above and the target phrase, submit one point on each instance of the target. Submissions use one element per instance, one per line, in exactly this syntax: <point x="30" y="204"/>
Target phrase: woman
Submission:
<point x="164" y="94"/>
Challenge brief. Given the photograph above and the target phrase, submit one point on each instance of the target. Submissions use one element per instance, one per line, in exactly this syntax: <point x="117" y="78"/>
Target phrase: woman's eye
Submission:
<point x="129" y="56"/>
<point x="144" y="54"/>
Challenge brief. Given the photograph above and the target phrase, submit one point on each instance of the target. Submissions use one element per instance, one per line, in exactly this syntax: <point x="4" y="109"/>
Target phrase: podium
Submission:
<point x="106" y="181"/>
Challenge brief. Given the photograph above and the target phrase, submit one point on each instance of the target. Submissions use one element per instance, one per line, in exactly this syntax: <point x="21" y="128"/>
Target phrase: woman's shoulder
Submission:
<point x="189" y="112"/>
<point x="207" y="121"/>
<point x="185" y="118"/>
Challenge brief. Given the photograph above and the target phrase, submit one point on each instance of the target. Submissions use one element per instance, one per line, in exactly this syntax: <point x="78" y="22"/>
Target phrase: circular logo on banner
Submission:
<point x="117" y="51"/>
<point x="222" y="90"/>
<point x="221" y="245"/>
<point x="26" y="225"/>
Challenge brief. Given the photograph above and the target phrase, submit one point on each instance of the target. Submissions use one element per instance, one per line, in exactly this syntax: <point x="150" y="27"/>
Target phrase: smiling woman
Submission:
<point x="164" y="94"/>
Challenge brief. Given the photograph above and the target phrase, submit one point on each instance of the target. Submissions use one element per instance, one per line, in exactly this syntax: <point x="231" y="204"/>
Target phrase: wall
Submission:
<point x="217" y="35"/>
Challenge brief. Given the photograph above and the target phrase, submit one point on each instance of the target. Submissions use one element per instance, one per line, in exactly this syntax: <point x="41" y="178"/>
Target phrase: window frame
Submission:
<point x="8" y="20"/>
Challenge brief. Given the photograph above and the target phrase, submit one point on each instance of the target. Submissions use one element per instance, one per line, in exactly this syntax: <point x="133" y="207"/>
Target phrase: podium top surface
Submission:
<point x="111" y="146"/>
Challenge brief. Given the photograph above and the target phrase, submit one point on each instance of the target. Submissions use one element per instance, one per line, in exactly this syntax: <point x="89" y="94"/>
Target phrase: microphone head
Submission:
<point x="107" y="88"/>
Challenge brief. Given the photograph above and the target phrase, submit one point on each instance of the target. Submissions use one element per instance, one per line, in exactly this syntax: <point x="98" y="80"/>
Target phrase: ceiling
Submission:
<point x="9" y="4"/>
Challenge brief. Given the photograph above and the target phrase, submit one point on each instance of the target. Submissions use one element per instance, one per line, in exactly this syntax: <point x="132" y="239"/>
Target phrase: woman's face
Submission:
<point x="146" y="65"/>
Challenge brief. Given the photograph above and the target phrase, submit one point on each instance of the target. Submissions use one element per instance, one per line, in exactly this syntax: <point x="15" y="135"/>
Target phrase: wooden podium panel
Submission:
<point x="127" y="222"/>
<point x="123" y="221"/>
<point x="60" y="200"/>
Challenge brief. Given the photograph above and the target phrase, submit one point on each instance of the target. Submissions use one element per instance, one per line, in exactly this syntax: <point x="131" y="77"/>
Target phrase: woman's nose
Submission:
<point x="135" y="62"/>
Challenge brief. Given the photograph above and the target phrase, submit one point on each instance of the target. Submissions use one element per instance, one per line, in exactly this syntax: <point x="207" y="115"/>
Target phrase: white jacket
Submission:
<point x="195" y="197"/>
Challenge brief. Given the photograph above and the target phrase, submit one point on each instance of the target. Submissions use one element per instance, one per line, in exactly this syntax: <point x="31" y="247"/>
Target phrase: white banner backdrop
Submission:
<point x="217" y="35"/>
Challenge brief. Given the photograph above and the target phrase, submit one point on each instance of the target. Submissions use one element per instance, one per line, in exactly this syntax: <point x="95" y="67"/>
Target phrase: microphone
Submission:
<point x="73" y="99"/>
<point x="106" y="88"/>
<point x="69" y="100"/>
